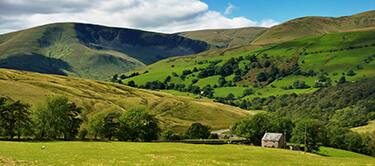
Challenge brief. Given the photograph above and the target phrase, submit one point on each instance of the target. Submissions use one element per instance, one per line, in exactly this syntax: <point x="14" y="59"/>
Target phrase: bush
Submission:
<point x="222" y="81"/>
<point x="261" y="77"/>
<point x="110" y="126"/>
<point x="213" y="136"/>
<point x="247" y="92"/>
<point x="350" y="73"/>
<point x="132" y="83"/>
<point x="341" y="80"/>
<point x="194" y="81"/>
<point x="300" y="85"/>
<point x="138" y="125"/>
<point x="198" y="131"/>
<point x="169" y="135"/>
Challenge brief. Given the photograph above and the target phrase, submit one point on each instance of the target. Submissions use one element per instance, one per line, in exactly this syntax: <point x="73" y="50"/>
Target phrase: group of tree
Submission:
<point x="338" y="49"/>
<point x="335" y="109"/>
<point x="133" y="125"/>
<point x="298" y="84"/>
<point x="56" y="118"/>
<point x="254" y="127"/>
<point x="312" y="133"/>
<point x="118" y="78"/>
<point x="15" y="118"/>
<point x="59" y="118"/>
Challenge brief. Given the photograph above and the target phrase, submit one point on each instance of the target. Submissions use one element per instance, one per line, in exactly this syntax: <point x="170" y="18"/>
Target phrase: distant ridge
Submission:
<point x="89" y="51"/>
<point x="308" y="26"/>
<point x="225" y="38"/>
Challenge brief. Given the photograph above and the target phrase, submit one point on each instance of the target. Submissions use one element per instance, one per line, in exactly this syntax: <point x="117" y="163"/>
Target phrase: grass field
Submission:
<point x="174" y="112"/>
<point x="370" y="127"/>
<point x="123" y="153"/>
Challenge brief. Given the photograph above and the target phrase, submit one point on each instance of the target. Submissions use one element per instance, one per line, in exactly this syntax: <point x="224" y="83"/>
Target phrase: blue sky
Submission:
<point x="170" y="16"/>
<point x="283" y="10"/>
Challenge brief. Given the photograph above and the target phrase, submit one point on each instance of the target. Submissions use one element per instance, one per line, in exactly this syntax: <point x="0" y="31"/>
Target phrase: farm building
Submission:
<point x="273" y="140"/>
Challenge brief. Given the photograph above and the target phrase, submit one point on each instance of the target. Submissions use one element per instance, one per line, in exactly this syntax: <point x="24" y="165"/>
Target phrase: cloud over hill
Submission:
<point x="157" y="15"/>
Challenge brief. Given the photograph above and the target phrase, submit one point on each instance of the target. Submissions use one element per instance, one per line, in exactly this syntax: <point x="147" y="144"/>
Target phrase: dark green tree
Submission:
<point x="222" y="81"/>
<point x="208" y="91"/>
<point x="230" y="96"/>
<point x="169" y="135"/>
<point x="198" y="131"/>
<point x="308" y="132"/>
<point x="14" y="118"/>
<point x="132" y="83"/>
<point x="254" y="127"/>
<point x="110" y="125"/>
<point x="57" y="117"/>
<point x="138" y="125"/>
<point x="247" y="92"/>
<point x="300" y="85"/>
<point x="282" y="125"/>
<point x="342" y="80"/>
<point x="96" y="125"/>
<point x="351" y="73"/>
<point x="261" y="77"/>
<point x="115" y="78"/>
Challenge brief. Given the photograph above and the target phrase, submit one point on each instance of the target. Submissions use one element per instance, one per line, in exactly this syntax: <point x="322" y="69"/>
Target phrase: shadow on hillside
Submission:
<point x="35" y="63"/>
<point x="147" y="47"/>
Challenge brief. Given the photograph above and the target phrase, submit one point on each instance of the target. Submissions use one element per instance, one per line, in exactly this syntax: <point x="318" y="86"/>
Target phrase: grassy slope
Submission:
<point x="370" y="127"/>
<point x="315" y="26"/>
<point x="335" y="63"/>
<point x="224" y="38"/>
<point x="174" y="112"/>
<point x="121" y="153"/>
<point x="57" y="42"/>
<point x="89" y="51"/>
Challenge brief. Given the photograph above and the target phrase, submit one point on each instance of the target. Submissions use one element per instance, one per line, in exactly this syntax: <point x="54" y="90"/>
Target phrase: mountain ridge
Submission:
<point x="315" y="25"/>
<point x="87" y="48"/>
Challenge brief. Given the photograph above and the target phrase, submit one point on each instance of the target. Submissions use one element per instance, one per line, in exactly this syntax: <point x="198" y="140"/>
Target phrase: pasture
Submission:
<point x="126" y="153"/>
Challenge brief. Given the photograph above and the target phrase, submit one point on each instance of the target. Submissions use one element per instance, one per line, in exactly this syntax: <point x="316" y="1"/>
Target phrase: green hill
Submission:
<point x="308" y="26"/>
<point x="89" y="51"/>
<point x="127" y="153"/>
<point x="173" y="111"/>
<point x="225" y="38"/>
<point x="305" y="59"/>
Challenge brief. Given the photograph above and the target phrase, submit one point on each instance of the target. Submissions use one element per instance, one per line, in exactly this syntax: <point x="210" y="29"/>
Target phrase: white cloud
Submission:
<point x="229" y="9"/>
<point x="268" y="23"/>
<point x="155" y="15"/>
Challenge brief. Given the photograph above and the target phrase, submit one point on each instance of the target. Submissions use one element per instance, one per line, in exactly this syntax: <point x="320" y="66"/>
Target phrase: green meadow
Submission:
<point x="331" y="53"/>
<point x="126" y="153"/>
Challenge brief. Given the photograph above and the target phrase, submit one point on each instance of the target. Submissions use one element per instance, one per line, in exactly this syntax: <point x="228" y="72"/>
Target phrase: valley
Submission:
<point x="300" y="92"/>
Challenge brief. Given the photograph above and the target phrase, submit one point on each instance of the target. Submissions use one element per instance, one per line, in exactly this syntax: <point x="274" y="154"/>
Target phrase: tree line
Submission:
<point x="328" y="114"/>
<point x="58" y="118"/>
<point x="310" y="132"/>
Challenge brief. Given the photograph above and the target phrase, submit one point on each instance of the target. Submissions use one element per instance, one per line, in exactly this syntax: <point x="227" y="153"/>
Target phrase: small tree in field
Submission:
<point x="96" y="124"/>
<point x="351" y="73"/>
<point x="14" y="118"/>
<point x="57" y="117"/>
<point x="308" y="132"/>
<point x="110" y="125"/>
<point x="342" y="80"/>
<point x="198" y="131"/>
<point x="138" y="125"/>
<point x="254" y="127"/>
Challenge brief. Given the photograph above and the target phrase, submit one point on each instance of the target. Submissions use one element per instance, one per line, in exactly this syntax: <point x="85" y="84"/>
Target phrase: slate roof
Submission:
<point x="272" y="136"/>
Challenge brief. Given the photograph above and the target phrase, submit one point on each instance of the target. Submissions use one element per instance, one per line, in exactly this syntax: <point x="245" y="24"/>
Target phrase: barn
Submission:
<point x="273" y="140"/>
